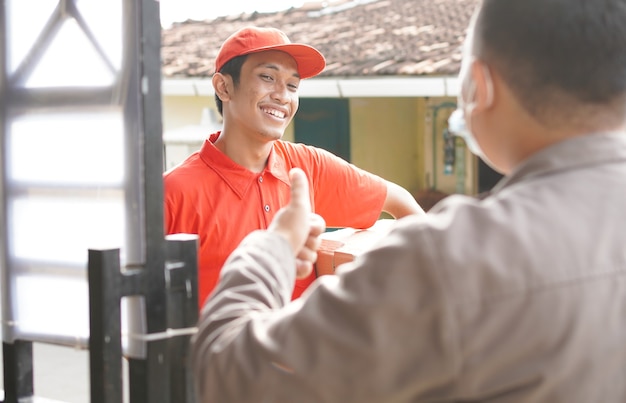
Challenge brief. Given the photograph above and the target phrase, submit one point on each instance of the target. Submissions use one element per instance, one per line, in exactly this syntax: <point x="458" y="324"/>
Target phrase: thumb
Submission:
<point x="299" y="190"/>
<point x="293" y="220"/>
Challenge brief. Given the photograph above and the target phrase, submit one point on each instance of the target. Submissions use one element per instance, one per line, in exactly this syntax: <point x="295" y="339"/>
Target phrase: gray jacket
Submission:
<point x="520" y="297"/>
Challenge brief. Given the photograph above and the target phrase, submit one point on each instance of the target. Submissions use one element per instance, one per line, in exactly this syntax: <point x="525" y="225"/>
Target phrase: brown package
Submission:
<point x="344" y="245"/>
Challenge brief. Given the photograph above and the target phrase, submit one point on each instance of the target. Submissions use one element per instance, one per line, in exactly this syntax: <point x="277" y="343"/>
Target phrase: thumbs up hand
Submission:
<point x="298" y="225"/>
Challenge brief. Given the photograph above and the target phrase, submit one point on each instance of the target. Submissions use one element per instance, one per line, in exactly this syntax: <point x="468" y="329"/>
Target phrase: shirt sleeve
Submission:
<point x="380" y="330"/>
<point x="171" y="203"/>
<point x="344" y="194"/>
<point x="179" y="214"/>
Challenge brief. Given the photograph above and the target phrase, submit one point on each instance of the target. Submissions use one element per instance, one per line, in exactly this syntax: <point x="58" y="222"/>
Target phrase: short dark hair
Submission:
<point x="569" y="51"/>
<point x="233" y="69"/>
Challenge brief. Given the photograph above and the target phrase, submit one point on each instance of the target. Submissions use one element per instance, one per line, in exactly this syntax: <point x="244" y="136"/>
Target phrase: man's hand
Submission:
<point x="296" y="223"/>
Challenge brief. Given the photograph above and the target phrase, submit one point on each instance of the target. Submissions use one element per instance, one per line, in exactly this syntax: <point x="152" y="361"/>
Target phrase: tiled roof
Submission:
<point x="358" y="38"/>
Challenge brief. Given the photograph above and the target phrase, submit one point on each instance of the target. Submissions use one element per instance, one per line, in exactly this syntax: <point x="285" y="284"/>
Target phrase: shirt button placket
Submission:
<point x="267" y="206"/>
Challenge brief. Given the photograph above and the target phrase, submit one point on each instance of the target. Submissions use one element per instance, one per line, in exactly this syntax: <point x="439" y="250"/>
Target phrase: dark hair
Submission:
<point x="556" y="53"/>
<point x="233" y="69"/>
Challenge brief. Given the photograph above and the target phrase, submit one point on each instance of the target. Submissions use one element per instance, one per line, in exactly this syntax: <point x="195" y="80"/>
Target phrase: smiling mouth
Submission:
<point x="274" y="112"/>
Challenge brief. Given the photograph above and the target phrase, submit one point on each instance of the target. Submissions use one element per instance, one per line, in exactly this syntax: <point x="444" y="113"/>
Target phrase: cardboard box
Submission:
<point x="344" y="245"/>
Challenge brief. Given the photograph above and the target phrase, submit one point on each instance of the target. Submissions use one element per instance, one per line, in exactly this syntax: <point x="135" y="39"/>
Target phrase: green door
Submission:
<point x="324" y="123"/>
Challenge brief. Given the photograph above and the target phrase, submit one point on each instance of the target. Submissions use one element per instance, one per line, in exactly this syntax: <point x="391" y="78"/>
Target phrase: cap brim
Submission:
<point x="310" y="61"/>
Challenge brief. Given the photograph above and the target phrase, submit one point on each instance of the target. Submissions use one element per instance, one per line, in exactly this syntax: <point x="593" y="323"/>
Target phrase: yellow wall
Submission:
<point x="385" y="138"/>
<point x="179" y="111"/>
<point x="463" y="178"/>
<point x="401" y="139"/>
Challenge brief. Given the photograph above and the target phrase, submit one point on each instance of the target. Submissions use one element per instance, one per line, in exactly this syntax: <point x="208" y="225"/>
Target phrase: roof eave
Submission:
<point x="353" y="87"/>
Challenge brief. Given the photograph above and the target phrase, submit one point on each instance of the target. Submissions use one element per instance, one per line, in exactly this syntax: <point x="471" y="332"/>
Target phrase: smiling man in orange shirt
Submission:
<point x="239" y="179"/>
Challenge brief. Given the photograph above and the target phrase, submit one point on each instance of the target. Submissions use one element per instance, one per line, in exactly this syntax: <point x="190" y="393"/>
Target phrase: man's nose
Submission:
<point x="281" y="92"/>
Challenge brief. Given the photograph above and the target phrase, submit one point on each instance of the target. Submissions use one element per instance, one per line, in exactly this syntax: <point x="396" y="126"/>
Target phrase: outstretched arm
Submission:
<point x="256" y="281"/>
<point x="399" y="202"/>
<point x="351" y="337"/>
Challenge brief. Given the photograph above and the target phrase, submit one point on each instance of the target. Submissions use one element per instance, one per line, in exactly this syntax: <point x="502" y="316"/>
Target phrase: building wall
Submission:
<point x="385" y="138"/>
<point x="401" y="139"/>
<point x="180" y="111"/>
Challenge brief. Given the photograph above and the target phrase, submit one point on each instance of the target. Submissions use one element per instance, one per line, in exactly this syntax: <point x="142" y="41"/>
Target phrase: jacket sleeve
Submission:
<point x="380" y="330"/>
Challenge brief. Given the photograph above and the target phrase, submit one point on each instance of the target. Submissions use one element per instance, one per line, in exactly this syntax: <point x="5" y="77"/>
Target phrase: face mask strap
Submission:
<point x="471" y="94"/>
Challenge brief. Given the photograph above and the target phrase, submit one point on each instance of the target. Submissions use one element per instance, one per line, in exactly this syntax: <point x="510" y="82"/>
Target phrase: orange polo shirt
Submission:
<point x="210" y="195"/>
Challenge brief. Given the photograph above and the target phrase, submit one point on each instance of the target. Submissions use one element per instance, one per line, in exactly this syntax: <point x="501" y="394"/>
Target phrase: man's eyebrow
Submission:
<point x="275" y="67"/>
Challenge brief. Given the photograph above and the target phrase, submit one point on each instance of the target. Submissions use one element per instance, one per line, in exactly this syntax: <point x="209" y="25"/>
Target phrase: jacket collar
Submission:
<point x="572" y="154"/>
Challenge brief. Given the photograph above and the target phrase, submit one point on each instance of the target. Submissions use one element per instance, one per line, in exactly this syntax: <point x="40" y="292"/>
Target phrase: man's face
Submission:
<point x="266" y="98"/>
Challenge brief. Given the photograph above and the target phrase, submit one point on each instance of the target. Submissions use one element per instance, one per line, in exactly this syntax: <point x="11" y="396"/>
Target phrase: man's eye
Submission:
<point x="293" y="87"/>
<point x="266" y="77"/>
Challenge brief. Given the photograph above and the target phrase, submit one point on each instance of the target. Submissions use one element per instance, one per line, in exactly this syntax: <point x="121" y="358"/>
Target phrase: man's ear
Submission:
<point x="223" y="86"/>
<point x="485" y="93"/>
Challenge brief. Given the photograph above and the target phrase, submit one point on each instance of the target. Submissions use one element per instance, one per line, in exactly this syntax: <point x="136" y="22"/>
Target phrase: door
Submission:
<point x="324" y="123"/>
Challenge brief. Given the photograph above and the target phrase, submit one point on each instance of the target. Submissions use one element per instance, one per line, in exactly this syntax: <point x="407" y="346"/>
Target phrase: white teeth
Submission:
<point x="276" y="113"/>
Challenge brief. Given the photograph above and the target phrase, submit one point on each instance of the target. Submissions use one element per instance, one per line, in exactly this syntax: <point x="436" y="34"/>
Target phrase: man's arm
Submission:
<point x="255" y="282"/>
<point x="399" y="202"/>
<point x="352" y="337"/>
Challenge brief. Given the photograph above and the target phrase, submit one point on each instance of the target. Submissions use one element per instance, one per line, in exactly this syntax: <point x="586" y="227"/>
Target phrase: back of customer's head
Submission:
<point x="564" y="60"/>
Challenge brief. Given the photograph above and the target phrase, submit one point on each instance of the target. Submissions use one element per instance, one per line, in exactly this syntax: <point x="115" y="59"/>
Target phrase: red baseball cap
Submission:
<point x="254" y="39"/>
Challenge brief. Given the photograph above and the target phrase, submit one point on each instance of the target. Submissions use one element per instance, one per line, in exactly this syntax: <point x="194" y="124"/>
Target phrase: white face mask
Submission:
<point x="459" y="122"/>
<point x="458" y="127"/>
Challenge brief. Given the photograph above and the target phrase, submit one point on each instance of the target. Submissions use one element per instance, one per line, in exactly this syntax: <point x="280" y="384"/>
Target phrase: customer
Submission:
<point x="519" y="297"/>
<point x="238" y="180"/>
